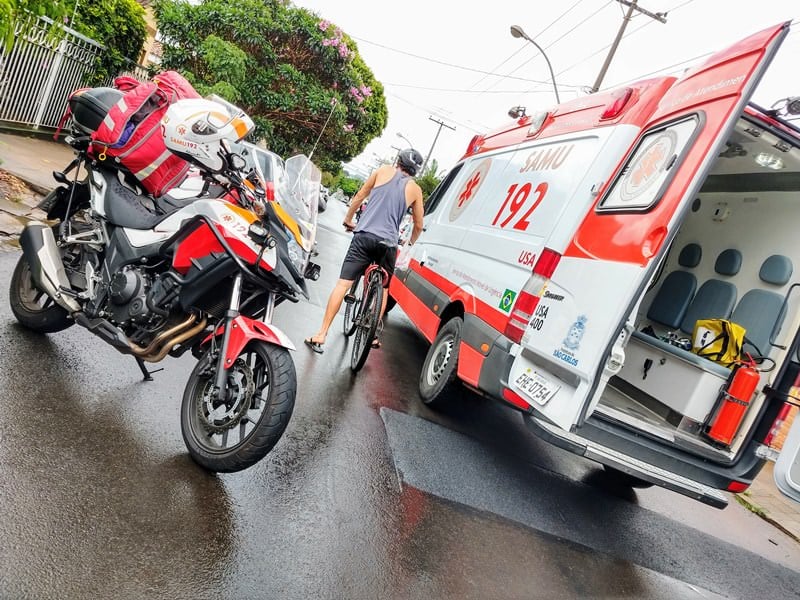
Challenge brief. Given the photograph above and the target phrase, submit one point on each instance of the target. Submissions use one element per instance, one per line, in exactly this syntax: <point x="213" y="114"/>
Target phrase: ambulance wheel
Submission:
<point x="621" y="478"/>
<point x="438" y="381"/>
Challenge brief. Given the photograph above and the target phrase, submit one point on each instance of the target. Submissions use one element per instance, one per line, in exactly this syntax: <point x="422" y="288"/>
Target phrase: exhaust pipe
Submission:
<point x="47" y="270"/>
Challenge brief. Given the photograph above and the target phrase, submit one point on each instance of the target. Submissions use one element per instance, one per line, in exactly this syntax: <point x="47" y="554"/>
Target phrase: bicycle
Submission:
<point x="362" y="313"/>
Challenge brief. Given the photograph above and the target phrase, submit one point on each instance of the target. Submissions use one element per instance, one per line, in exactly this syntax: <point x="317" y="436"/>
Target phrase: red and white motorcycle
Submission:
<point x="160" y="277"/>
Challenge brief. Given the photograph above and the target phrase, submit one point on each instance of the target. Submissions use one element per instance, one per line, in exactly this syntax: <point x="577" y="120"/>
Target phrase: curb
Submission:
<point x="762" y="512"/>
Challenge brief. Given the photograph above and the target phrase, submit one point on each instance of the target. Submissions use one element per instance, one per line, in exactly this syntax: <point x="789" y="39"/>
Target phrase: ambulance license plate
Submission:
<point x="536" y="387"/>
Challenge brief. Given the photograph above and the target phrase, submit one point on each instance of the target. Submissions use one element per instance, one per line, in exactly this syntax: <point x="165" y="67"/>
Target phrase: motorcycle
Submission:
<point x="158" y="277"/>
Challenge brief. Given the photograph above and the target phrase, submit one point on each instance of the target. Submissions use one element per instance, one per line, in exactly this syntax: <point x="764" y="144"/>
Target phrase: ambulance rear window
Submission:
<point x="649" y="169"/>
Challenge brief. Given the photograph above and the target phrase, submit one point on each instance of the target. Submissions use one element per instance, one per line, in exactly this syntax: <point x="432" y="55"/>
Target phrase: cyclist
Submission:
<point x="391" y="190"/>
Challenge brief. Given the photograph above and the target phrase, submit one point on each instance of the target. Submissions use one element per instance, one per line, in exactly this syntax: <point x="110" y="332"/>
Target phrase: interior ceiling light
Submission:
<point x="765" y="159"/>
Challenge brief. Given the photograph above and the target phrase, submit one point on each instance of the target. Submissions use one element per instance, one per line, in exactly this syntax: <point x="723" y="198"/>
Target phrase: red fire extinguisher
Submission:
<point x="734" y="403"/>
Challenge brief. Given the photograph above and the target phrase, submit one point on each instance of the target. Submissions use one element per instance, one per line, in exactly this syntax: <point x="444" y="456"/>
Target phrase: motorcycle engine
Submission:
<point x="127" y="294"/>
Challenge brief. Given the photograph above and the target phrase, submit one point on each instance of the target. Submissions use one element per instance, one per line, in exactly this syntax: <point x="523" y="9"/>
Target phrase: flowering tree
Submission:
<point x="298" y="76"/>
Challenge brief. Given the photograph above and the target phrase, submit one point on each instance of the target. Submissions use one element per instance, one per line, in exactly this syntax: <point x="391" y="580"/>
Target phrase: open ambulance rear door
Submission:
<point x="787" y="468"/>
<point x="576" y="306"/>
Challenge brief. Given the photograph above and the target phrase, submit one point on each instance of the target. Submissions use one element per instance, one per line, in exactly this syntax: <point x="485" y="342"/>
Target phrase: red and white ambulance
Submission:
<point x="567" y="258"/>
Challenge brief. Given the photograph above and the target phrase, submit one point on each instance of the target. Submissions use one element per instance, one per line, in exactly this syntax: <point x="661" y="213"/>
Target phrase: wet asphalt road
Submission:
<point x="368" y="495"/>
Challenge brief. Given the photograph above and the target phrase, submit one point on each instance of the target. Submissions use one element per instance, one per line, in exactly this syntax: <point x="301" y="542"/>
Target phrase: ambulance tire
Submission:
<point x="438" y="382"/>
<point x="621" y="478"/>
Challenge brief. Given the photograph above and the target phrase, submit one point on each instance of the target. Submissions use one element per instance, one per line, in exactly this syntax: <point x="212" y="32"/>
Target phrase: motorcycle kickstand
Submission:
<point x="146" y="373"/>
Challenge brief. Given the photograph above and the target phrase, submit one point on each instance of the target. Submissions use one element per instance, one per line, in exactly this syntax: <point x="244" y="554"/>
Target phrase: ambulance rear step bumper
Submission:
<point x="627" y="464"/>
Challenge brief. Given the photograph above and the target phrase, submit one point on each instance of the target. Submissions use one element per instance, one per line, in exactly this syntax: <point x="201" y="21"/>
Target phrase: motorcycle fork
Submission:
<point x="221" y="376"/>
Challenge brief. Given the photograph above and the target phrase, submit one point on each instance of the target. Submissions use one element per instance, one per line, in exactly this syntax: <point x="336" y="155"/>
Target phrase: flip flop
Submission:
<point x="315" y="346"/>
<point x="376" y="343"/>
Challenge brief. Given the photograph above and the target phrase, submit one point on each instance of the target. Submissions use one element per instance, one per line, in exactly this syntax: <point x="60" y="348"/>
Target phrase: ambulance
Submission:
<point x="567" y="258"/>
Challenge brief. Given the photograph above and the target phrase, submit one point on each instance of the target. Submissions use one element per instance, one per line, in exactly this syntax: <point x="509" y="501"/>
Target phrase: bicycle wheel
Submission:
<point x="367" y="323"/>
<point x="352" y="304"/>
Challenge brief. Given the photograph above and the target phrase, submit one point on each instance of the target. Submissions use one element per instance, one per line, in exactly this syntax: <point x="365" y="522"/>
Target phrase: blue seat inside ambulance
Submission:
<point x="714" y="300"/>
<point x="760" y="311"/>
<point x="677" y="290"/>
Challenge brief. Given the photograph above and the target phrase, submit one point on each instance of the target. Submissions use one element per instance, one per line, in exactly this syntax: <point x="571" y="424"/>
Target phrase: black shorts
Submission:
<point x="365" y="249"/>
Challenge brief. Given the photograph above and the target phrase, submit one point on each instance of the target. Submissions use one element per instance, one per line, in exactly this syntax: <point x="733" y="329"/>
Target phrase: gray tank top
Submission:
<point x="385" y="209"/>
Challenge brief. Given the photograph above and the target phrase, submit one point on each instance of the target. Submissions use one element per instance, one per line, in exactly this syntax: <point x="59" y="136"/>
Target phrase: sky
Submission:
<point x="456" y="62"/>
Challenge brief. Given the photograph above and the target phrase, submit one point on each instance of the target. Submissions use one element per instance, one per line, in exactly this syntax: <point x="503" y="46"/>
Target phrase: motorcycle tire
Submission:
<point x="257" y="419"/>
<point x="33" y="308"/>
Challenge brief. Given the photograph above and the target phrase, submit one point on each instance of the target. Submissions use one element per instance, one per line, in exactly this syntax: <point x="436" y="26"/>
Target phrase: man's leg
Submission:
<point x="334" y="304"/>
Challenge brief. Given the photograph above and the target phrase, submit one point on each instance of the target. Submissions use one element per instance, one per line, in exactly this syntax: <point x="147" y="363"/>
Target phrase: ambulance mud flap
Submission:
<point x="44" y="259"/>
<point x="626" y="464"/>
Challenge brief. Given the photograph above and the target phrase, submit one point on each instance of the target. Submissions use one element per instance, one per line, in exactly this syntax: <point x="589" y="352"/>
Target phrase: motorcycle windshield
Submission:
<point x="302" y="199"/>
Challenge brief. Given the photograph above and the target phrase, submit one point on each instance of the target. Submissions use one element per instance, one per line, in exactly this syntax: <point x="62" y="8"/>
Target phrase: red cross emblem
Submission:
<point x="467" y="193"/>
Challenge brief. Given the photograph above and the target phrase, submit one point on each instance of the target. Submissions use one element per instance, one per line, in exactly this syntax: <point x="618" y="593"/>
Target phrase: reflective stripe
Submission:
<point x="122" y="105"/>
<point x="149" y="169"/>
<point x="108" y="122"/>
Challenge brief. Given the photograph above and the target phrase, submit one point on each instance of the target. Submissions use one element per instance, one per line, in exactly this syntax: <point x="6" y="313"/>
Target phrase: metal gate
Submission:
<point x="41" y="70"/>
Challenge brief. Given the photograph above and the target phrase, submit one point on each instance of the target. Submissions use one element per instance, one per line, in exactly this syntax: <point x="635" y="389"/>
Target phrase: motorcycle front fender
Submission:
<point x="243" y="330"/>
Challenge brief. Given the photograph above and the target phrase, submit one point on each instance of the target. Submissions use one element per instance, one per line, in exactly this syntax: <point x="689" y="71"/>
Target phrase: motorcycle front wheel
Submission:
<point x="235" y="434"/>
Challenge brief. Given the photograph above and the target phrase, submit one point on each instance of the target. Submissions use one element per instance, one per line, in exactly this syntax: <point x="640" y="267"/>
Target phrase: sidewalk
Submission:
<point x="32" y="160"/>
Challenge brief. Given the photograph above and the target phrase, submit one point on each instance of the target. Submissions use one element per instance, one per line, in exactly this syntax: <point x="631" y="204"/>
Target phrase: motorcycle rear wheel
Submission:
<point x="232" y="436"/>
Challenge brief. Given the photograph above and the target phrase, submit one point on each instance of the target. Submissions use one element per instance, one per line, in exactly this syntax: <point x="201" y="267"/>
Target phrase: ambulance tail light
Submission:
<point x="528" y="298"/>
<point x="778" y="423"/>
<point x="475" y="144"/>
<point x="618" y="103"/>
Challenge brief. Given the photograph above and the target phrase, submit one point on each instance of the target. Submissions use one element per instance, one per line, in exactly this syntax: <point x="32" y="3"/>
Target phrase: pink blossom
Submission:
<point x="343" y="51"/>
<point x="327" y="42"/>
<point x="324" y="24"/>
<point x="366" y="91"/>
<point x="336" y="85"/>
<point x="348" y="127"/>
<point x="333" y="101"/>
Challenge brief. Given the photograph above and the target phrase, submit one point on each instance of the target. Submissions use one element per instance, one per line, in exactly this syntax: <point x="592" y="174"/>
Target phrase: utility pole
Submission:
<point x="441" y="124"/>
<point x="632" y="6"/>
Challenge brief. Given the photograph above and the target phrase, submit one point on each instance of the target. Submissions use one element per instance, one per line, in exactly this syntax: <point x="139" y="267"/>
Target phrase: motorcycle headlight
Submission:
<point x="296" y="255"/>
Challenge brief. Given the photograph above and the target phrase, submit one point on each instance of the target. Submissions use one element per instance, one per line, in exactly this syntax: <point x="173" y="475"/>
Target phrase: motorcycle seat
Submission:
<point x="125" y="208"/>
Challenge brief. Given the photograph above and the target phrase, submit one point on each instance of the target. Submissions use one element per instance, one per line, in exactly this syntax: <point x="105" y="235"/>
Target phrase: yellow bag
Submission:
<point x="718" y="340"/>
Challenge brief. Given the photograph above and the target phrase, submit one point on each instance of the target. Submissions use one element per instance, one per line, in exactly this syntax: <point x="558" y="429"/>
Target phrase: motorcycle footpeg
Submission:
<point x="312" y="271"/>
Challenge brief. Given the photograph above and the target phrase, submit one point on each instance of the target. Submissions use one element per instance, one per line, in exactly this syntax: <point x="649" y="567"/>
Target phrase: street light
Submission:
<point x="517" y="32"/>
<point x="402" y="137"/>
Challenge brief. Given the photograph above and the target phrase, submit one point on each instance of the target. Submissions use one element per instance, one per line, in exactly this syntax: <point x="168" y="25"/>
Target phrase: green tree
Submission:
<point x="12" y="10"/>
<point x="429" y="179"/>
<point x="299" y="77"/>
<point x="117" y="24"/>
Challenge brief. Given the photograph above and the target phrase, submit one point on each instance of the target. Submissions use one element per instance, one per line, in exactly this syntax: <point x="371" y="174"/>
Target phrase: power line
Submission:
<point x="462" y="91"/>
<point x="551" y="44"/>
<point x="454" y="66"/>
<point x="521" y="48"/>
<point x="598" y="51"/>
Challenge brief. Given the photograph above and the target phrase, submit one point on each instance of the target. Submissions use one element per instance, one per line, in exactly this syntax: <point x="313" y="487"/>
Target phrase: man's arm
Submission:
<point x="358" y="199"/>
<point x="417" y="212"/>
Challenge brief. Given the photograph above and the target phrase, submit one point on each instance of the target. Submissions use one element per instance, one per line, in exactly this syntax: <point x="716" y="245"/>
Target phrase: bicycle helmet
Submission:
<point x="409" y="161"/>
